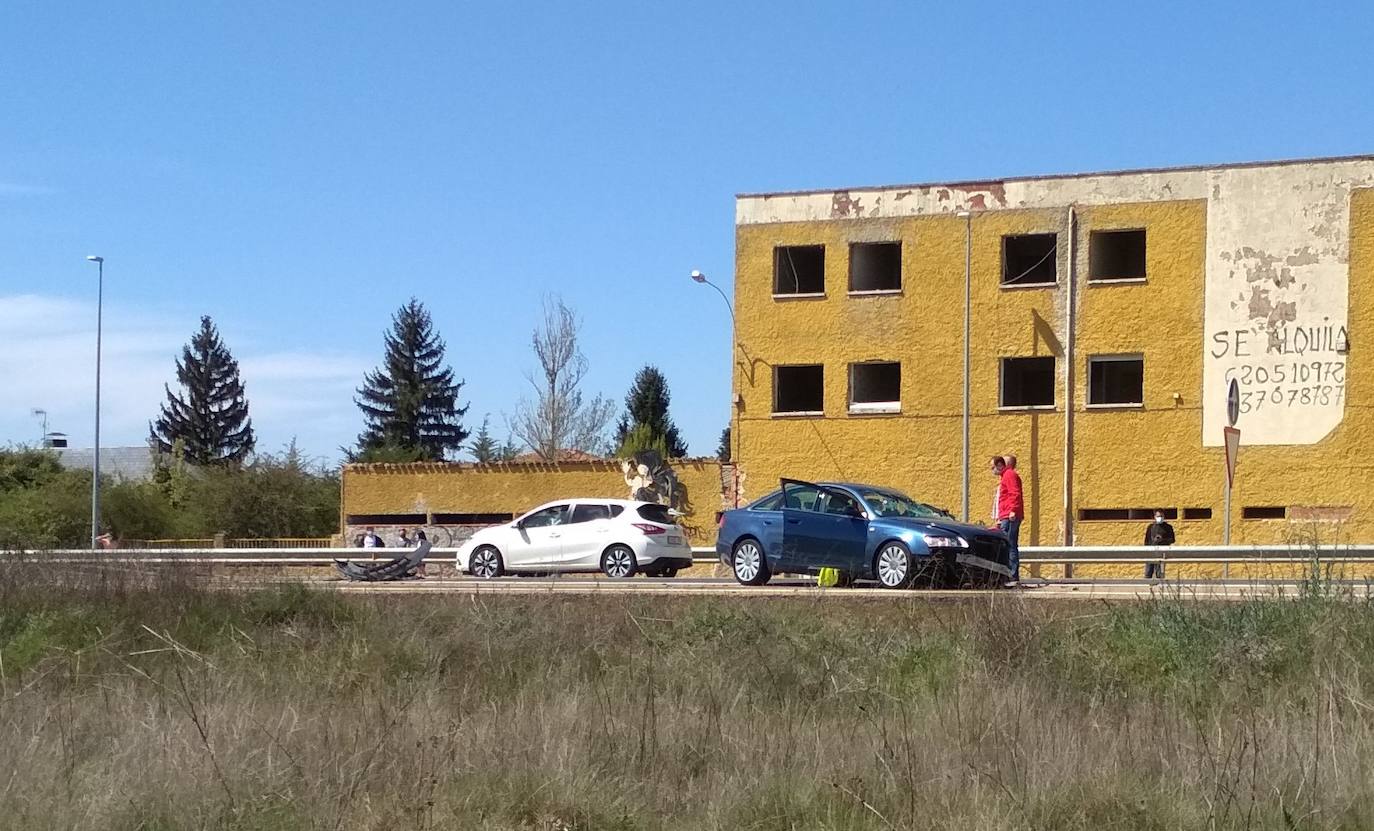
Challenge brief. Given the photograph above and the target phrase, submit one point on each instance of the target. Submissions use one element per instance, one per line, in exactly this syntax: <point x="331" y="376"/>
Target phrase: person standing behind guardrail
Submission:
<point x="1009" y="509"/>
<point x="1159" y="532"/>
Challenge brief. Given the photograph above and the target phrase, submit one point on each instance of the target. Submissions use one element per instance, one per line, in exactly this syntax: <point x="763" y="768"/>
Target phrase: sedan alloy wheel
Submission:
<point x="893" y="566"/>
<point x="749" y="565"/>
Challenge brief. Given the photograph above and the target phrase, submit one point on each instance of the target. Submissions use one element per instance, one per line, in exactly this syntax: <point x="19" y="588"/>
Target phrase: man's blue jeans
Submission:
<point x="1012" y="528"/>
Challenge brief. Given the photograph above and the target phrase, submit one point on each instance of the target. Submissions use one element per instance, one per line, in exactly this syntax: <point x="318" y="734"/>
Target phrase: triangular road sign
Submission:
<point x="1232" y="436"/>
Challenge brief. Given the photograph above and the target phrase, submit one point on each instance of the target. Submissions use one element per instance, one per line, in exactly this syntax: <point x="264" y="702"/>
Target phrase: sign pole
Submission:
<point x="1232" y="447"/>
<point x="1226" y="531"/>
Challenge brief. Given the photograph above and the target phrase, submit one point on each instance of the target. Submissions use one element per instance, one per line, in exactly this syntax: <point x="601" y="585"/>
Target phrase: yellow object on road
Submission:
<point x="828" y="578"/>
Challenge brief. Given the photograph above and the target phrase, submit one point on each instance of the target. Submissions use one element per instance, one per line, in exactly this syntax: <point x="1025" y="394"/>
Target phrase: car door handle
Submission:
<point x="794" y="522"/>
<point x="554" y="536"/>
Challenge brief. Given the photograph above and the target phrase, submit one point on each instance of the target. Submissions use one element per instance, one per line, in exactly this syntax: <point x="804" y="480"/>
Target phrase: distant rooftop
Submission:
<point x="132" y="463"/>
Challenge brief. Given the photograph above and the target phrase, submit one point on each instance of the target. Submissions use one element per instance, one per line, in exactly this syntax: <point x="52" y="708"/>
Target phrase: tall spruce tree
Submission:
<point x="210" y="416"/>
<point x="410" y="403"/>
<point x="723" y="450"/>
<point x="646" y="405"/>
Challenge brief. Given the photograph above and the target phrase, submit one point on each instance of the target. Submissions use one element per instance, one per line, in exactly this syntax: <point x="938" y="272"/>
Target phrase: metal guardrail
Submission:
<point x="247" y="556"/>
<point x="1043" y="555"/>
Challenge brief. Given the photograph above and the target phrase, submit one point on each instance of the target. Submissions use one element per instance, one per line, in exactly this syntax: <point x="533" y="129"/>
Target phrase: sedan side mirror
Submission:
<point x="855" y="512"/>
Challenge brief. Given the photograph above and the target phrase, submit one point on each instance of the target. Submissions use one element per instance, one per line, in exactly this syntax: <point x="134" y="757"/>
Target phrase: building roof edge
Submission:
<point x="979" y="183"/>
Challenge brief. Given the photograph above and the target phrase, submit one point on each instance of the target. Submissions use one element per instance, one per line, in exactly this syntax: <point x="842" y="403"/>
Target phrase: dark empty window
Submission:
<point x="1104" y="514"/>
<point x="1029" y="259"/>
<point x="1116" y="380"/>
<point x="875" y="266"/>
<point x="387" y="519"/>
<point x="1124" y="514"/>
<point x="1197" y="513"/>
<point x="472" y="519"/>
<point x="799" y="389"/>
<point x="1027" y="382"/>
<point x="875" y="387"/>
<point x="1116" y="255"/>
<point x="1263" y="512"/>
<point x="799" y="269"/>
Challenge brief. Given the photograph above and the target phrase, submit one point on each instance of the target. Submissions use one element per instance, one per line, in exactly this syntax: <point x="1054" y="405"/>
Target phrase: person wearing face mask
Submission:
<point x="1158" y="533"/>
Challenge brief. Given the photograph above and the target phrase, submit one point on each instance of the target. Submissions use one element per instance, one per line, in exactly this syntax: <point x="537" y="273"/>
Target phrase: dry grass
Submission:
<point x="146" y="703"/>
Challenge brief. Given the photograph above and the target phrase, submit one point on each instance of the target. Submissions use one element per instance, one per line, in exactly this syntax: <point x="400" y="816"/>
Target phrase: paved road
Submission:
<point x="717" y="587"/>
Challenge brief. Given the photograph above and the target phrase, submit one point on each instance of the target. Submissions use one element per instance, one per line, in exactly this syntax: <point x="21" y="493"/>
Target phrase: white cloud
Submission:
<point x="47" y="358"/>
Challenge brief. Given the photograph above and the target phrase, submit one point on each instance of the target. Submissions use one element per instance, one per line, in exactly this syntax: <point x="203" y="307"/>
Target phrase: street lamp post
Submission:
<point x="734" y="433"/>
<point x="95" y="471"/>
<point x="968" y="314"/>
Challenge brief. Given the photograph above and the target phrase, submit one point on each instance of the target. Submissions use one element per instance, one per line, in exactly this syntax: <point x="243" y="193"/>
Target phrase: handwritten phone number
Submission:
<point x="1304" y="372"/>
<point x="1322" y="395"/>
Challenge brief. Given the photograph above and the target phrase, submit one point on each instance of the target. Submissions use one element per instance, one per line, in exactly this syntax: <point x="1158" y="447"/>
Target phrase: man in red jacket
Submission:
<point x="1009" y="508"/>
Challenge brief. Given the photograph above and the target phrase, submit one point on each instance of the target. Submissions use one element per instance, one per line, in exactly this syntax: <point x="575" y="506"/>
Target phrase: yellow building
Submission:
<point x="1107" y="315"/>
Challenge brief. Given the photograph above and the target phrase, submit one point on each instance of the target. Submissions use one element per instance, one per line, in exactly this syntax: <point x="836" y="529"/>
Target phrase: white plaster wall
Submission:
<point x="1276" y="282"/>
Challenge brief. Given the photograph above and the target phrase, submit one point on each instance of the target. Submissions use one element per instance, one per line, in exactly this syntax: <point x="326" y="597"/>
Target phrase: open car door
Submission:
<point x="823" y="526"/>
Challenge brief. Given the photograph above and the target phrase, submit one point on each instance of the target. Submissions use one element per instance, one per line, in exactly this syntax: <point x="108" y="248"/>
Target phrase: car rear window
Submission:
<point x="617" y="510"/>
<point x="656" y="513"/>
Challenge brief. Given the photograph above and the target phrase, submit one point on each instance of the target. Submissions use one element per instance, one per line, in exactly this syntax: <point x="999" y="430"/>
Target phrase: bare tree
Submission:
<point x="559" y="419"/>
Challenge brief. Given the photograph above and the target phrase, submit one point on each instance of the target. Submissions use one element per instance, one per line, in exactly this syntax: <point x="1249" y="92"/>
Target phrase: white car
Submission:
<point x="617" y="537"/>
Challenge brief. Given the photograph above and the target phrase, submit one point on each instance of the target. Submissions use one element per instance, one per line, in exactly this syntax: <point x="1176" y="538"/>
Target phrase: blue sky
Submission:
<point x="298" y="170"/>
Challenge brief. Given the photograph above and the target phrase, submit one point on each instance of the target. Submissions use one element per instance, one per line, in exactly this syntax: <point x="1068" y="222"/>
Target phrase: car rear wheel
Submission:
<point x="486" y="563"/>
<point x="618" y="562"/>
<point x="893" y="566"/>
<point x="748" y="564"/>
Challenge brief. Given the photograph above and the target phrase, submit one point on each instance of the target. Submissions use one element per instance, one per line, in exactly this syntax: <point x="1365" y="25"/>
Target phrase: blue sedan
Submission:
<point x="864" y="531"/>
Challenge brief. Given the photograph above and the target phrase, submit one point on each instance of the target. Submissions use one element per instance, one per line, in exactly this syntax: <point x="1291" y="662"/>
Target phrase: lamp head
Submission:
<point x="698" y="276"/>
<point x="93" y="258"/>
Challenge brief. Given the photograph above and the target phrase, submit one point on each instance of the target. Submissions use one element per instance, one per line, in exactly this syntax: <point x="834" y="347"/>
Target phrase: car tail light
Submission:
<point x="651" y="530"/>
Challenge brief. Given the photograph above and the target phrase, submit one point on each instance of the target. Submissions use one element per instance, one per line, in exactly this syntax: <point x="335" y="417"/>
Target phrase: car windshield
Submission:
<point x="893" y="504"/>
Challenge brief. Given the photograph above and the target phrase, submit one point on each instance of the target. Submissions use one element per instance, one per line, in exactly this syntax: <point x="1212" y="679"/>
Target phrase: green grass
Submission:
<point x="140" y="701"/>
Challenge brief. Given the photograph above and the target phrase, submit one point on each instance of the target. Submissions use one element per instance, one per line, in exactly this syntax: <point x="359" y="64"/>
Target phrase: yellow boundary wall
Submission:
<point x="431" y="488"/>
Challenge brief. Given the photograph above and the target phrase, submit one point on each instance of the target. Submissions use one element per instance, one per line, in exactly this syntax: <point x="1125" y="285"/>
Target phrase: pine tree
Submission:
<point x="210" y="416"/>
<point x="641" y="438"/>
<point x="484" y="447"/>
<point x="410" y="403"/>
<point x="646" y="405"/>
<point x="724" y="450"/>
